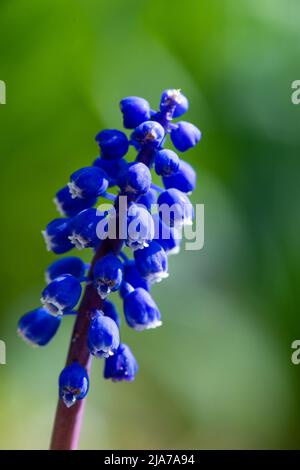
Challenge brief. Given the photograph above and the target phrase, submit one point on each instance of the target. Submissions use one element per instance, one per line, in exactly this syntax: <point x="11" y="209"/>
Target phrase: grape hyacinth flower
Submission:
<point x="140" y="227"/>
<point x="69" y="206"/>
<point x="185" y="135"/>
<point x="125" y="262"/>
<point x="56" y="236"/>
<point x="61" y="294"/>
<point x="73" y="384"/>
<point x="184" y="179"/>
<point x="67" y="265"/>
<point x="140" y="310"/>
<point x="38" y="327"/>
<point x="152" y="262"/>
<point x="108" y="274"/>
<point x="121" y="366"/>
<point x="87" y="183"/>
<point x="103" y="335"/>
<point x="166" y="162"/>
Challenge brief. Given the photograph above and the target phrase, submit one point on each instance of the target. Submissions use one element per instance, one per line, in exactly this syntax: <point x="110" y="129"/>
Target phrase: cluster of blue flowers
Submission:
<point x="150" y="237"/>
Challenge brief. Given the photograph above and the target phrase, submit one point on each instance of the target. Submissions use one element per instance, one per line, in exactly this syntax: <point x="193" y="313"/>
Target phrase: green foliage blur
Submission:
<point x="218" y="374"/>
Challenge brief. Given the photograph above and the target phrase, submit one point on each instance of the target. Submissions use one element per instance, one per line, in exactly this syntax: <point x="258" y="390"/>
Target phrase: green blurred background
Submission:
<point x="218" y="373"/>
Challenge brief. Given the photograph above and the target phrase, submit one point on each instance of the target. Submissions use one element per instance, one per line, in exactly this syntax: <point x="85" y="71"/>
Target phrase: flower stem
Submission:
<point x="68" y="421"/>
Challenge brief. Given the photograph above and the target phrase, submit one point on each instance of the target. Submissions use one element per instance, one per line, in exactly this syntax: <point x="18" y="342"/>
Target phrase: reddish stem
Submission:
<point x="68" y="421"/>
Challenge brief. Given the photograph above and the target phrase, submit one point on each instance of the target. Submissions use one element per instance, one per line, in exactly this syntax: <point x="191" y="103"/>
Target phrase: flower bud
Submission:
<point x="38" y="327"/>
<point x="184" y="179"/>
<point x="135" y="111"/>
<point x="141" y="311"/>
<point x="152" y="262"/>
<point x="67" y="265"/>
<point x="113" y="144"/>
<point x="103" y="336"/>
<point x="173" y="102"/>
<point x="61" y="295"/>
<point x="73" y="384"/>
<point x="121" y="366"/>
<point x="185" y="135"/>
<point x="88" y="182"/>
<point x="149" y="133"/>
<point x="108" y="273"/>
<point x="56" y="236"/>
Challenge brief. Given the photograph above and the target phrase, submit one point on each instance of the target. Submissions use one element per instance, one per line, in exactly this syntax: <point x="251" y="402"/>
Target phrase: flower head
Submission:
<point x="152" y="218"/>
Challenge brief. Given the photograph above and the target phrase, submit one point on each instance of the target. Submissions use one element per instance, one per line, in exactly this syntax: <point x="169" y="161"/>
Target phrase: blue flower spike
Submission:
<point x="103" y="335"/>
<point x="73" y="384"/>
<point x="108" y="274"/>
<point x="130" y="262"/>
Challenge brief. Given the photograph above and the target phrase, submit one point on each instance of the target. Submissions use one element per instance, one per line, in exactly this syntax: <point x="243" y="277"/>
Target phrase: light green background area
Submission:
<point x="218" y="373"/>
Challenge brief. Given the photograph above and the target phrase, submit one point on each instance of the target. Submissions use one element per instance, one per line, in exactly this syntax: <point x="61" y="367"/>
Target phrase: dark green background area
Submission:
<point x="218" y="374"/>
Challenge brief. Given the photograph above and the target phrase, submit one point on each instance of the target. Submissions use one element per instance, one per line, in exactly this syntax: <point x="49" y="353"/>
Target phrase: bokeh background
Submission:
<point x="218" y="374"/>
